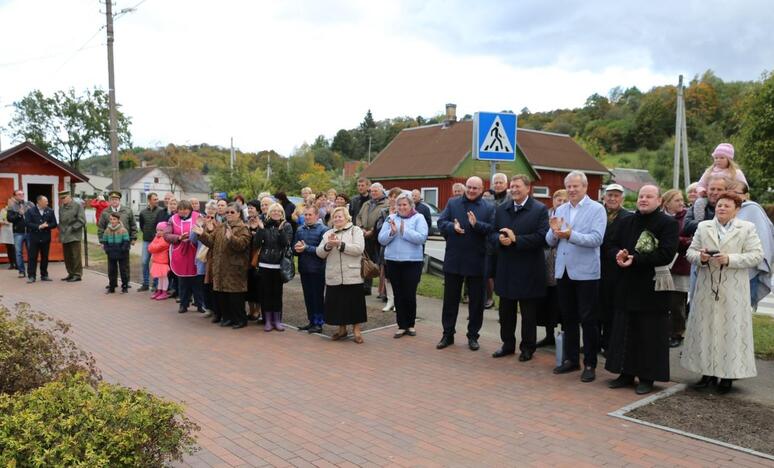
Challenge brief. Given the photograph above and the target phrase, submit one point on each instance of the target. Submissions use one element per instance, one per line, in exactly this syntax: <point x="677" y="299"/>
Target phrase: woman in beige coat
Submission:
<point x="719" y="335"/>
<point x="342" y="246"/>
<point x="229" y="244"/>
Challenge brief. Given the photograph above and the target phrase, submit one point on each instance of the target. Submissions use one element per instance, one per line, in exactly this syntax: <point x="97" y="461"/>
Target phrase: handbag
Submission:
<point x="255" y="258"/>
<point x="287" y="267"/>
<point x="201" y="254"/>
<point x="368" y="269"/>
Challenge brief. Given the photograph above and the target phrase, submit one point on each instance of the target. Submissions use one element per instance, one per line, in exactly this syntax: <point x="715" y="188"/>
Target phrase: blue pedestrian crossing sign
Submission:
<point x="494" y="136"/>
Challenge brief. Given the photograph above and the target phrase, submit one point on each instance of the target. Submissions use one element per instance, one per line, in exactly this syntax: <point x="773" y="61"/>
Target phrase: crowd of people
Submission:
<point x="624" y="284"/>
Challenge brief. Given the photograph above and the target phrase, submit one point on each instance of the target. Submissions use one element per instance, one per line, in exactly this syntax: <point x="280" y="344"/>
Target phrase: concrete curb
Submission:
<point x="621" y="414"/>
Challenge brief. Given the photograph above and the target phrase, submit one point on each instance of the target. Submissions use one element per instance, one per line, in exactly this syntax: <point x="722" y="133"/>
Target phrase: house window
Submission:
<point x="155" y="180"/>
<point x="539" y="191"/>
<point x="430" y="195"/>
<point x="143" y="198"/>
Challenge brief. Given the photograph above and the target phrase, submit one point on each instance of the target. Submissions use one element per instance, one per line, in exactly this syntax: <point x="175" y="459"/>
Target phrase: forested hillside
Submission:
<point x="626" y="128"/>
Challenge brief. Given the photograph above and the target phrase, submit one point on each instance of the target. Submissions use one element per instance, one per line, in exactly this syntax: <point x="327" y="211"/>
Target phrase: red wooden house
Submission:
<point x="434" y="157"/>
<point x="36" y="172"/>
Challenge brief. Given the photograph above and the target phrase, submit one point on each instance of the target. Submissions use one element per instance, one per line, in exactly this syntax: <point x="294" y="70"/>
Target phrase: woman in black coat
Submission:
<point x="273" y="238"/>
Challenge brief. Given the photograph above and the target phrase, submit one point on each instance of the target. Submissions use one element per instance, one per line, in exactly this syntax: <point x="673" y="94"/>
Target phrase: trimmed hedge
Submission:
<point x="72" y="423"/>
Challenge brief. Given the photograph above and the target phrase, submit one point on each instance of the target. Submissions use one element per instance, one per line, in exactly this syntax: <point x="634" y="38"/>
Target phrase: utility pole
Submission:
<point x="369" y="149"/>
<point x="112" y="97"/>
<point x="681" y="140"/>
<point x="232" y="159"/>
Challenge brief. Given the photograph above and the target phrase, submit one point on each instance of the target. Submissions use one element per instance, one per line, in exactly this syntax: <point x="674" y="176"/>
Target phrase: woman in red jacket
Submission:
<point x="99" y="204"/>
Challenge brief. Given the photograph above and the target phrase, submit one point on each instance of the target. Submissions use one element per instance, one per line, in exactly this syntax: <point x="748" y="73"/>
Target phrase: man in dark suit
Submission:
<point x="610" y="272"/>
<point x="520" y="280"/>
<point x="39" y="220"/>
<point x="465" y="223"/>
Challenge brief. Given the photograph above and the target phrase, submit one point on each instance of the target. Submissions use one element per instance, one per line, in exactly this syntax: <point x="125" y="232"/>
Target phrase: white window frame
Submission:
<point x="425" y="190"/>
<point x="541" y="191"/>
<point x="43" y="180"/>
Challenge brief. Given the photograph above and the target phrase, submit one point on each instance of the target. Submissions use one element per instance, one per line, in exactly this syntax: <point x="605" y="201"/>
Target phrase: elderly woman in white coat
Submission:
<point x="719" y="334"/>
<point x="343" y="246"/>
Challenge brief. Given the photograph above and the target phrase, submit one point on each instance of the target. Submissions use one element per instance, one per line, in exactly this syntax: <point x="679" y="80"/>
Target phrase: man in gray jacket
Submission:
<point x="72" y="220"/>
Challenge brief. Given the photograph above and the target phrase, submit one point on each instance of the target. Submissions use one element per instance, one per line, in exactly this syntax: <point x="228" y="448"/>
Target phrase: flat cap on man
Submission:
<point x="64" y="193"/>
<point x="114" y="194"/>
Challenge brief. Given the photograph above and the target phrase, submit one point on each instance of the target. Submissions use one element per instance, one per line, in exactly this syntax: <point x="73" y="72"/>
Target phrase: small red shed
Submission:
<point x="27" y="167"/>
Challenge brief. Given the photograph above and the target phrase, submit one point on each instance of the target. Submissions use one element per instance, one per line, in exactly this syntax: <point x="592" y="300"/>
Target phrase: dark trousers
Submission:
<point x="404" y="277"/>
<point x="11" y="251"/>
<point x="209" y="297"/>
<point x="677" y="305"/>
<point x="116" y="266"/>
<point x="452" y="289"/>
<point x="198" y="291"/>
<point x="72" y="258"/>
<point x="38" y="246"/>
<point x="232" y="306"/>
<point x="190" y="287"/>
<point x="577" y="299"/>
<point x="313" y="285"/>
<point x="508" y="318"/>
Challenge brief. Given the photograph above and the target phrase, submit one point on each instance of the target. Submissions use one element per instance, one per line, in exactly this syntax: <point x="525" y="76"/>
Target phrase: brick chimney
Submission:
<point x="451" y="113"/>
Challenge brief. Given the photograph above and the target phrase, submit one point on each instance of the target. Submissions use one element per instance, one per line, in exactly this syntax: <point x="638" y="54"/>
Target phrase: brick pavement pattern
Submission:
<point x="290" y="399"/>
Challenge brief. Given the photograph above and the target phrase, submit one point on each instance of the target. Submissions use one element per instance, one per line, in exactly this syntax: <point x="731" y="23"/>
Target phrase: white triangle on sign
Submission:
<point x="496" y="140"/>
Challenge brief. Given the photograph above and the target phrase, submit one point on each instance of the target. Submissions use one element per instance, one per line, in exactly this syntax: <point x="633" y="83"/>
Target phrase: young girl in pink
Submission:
<point x="722" y="166"/>
<point x="159" y="250"/>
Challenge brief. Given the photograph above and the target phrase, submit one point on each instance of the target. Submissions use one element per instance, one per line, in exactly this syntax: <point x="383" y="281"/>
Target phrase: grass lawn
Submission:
<point x="763" y="331"/>
<point x="430" y="286"/>
<point x="91" y="228"/>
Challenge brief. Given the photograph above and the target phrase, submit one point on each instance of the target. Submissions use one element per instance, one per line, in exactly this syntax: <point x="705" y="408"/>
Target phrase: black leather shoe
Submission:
<point x="588" y="375"/>
<point x="445" y="342"/>
<point x="473" y="344"/>
<point x="30" y="280"/>
<point x="305" y="327"/>
<point x="45" y="278"/>
<point x="645" y="386"/>
<point x="201" y="310"/>
<point x="226" y="323"/>
<point x="525" y="356"/>
<point x="21" y="275"/>
<point x="182" y="310"/>
<point x="74" y="279"/>
<point x="706" y="381"/>
<point x="724" y="386"/>
<point x="314" y="329"/>
<point x="502" y="353"/>
<point x="143" y="288"/>
<point x="547" y="341"/>
<point x="239" y="325"/>
<point x="66" y="278"/>
<point x="623" y="380"/>
<point x="567" y="366"/>
<point x="110" y="291"/>
<point x="411" y="332"/>
<point x="215" y="319"/>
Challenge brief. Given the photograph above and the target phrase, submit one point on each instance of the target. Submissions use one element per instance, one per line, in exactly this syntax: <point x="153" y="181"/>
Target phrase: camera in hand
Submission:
<point x="712" y="253"/>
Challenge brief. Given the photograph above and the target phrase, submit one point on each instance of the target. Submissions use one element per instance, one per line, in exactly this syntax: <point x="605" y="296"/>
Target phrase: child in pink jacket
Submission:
<point x="159" y="250"/>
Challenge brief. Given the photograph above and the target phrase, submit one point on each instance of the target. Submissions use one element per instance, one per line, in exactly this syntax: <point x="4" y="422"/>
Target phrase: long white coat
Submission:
<point x="719" y="335"/>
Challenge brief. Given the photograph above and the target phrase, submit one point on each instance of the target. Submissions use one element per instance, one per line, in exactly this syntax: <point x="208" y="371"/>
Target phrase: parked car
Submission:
<point x="434" y="213"/>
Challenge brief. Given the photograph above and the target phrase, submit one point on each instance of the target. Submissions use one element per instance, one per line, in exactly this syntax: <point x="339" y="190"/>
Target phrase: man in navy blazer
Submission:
<point x="39" y="220"/>
<point x="577" y="229"/>
<point x="465" y="223"/>
<point x="519" y="236"/>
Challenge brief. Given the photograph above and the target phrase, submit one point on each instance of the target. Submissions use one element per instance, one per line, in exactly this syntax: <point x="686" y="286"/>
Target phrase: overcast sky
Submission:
<point x="274" y="74"/>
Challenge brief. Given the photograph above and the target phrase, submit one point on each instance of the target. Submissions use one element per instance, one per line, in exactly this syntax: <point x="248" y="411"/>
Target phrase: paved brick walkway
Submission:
<point x="288" y="399"/>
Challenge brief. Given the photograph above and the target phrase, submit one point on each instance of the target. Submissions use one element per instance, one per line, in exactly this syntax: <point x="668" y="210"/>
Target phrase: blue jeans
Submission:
<point x="146" y="258"/>
<point x="313" y="286"/>
<point x="20" y="239"/>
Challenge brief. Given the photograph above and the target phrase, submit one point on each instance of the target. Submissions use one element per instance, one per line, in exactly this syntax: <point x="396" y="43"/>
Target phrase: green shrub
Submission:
<point x="72" y="423"/>
<point x="35" y="350"/>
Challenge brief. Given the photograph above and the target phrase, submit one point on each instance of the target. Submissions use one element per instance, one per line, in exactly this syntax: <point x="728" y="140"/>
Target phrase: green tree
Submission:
<point x="344" y="143"/>
<point x="68" y="125"/>
<point x="756" y="140"/>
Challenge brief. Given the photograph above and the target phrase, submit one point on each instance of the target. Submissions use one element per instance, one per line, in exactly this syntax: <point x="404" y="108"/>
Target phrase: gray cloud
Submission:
<point x="731" y="38"/>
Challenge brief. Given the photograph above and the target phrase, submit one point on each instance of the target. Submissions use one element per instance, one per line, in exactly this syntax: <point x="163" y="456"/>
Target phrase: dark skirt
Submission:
<point x="271" y="289"/>
<point x="345" y="304"/>
<point x="639" y="345"/>
<point x="253" y="286"/>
